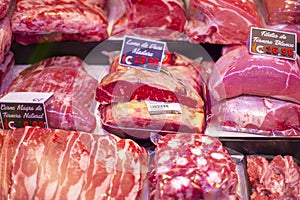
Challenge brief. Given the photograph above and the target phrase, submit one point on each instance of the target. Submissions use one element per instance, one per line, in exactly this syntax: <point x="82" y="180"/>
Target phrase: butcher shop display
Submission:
<point x="5" y="38"/>
<point x="259" y="115"/>
<point x="41" y="163"/>
<point x="36" y="21"/>
<point x="133" y="119"/>
<point x="274" y="178"/>
<point x="238" y="73"/>
<point x="72" y="87"/>
<point x="192" y="166"/>
<point x="4" y="7"/>
<point x="156" y="18"/>
<point x="221" y="21"/>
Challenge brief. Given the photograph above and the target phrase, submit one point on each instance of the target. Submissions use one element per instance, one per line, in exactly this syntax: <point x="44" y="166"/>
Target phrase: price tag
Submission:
<point x="273" y="43"/>
<point x="20" y="109"/>
<point x="142" y="53"/>
<point x="156" y="108"/>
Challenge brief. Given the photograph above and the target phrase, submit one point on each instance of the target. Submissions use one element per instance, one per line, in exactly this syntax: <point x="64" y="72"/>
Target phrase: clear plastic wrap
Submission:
<point x="58" y="164"/>
<point x="156" y="18"/>
<point x="212" y="21"/>
<point x="73" y="88"/>
<point x="257" y="115"/>
<point x="192" y="166"/>
<point x="5" y="70"/>
<point x="133" y="119"/>
<point x="273" y="177"/>
<point x="35" y="21"/>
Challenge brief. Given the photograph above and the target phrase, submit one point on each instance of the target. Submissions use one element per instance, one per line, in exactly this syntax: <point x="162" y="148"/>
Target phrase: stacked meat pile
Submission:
<point x="73" y="91"/>
<point x="38" y="163"/>
<point x="6" y="38"/>
<point x="192" y="166"/>
<point x="256" y="93"/>
<point x="124" y="92"/>
<point x="277" y="179"/>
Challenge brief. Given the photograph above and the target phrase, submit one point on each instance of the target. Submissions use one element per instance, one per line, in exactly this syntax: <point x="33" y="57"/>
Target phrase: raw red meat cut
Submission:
<point x="192" y="166"/>
<point x="239" y="72"/>
<point x="100" y="3"/>
<point x="259" y="115"/>
<point x="4" y="7"/>
<point x="157" y="18"/>
<point x="132" y="119"/>
<point x="175" y="65"/>
<point x="221" y="21"/>
<point x="36" y="21"/>
<point x="5" y="68"/>
<point x="282" y="11"/>
<point x="277" y="179"/>
<point x="5" y="38"/>
<point x="58" y="164"/>
<point x="73" y="89"/>
<point x="139" y="84"/>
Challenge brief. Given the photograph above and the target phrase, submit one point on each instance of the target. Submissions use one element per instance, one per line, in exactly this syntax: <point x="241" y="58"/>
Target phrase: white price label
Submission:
<point x="156" y="108"/>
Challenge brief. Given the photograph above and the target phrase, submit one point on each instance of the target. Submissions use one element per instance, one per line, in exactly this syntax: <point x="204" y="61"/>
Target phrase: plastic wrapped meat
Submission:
<point x="74" y="91"/>
<point x="239" y="72"/>
<point x="36" y="21"/>
<point x="5" y="68"/>
<point x="157" y="18"/>
<point x="100" y="3"/>
<point x="139" y="84"/>
<point x="258" y="115"/>
<point x="192" y="166"/>
<point x="278" y="178"/>
<point x="221" y="21"/>
<point x="41" y="163"/>
<point x="4" y="7"/>
<point x="5" y="37"/>
<point x="133" y="119"/>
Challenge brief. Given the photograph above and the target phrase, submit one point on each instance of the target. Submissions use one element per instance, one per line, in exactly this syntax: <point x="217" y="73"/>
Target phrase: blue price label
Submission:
<point x="142" y="53"/>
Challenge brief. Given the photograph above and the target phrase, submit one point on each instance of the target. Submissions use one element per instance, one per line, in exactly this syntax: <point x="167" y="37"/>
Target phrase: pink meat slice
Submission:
<point x="4" y="7"/>
<point x="260" y="115"/>
<point x="222" y="21"/>
<point x="73" y="89"/>
<point x="190" y="166"/>
<point x="26" y="164"/>
<point x="138" y="17"/>
<point x="35" y="21"/>
<point x="239" y="72"/>
<point x="5" y="68"/>
<point x="282" y="11"/>
<point x="137" y="84"/>
<point x="5" y="37"/>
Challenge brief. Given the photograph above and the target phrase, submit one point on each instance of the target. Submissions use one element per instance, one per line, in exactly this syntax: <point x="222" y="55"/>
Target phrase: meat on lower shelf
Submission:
<point x="275" y="179"/>
<point x="35" y="21"/>
<point x="192" y="166"/>
<point x="58" y="164"/>
<point x="72" y="87"/>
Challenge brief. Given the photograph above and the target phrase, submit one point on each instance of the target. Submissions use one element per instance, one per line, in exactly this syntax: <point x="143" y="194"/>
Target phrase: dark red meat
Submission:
<point x="5" y="37"/>
<point x="192" y="166"/>
<point x="158" y="18"/>
<point x="282" y="11"/>
<point x="132" y="119"/>
<point x="5" y="68"/>
<point x="73" y="88"/>
<point x="239" y="72"/>
<point x="57" y="20"/>
<point x="277" y="179"/>
<point x="139" y="84"/>
<point x="260" y="115"/>
<point x="4" y="7"/>
<point x="221" y="21"/>
<point x="43" y="163"/>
